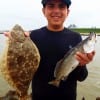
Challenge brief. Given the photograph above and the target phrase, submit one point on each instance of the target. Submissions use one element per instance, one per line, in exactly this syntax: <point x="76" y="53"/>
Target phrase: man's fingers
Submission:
<point x="27" y="34"/>
<point x="90" y="55"/>
<point x="7" y="34"/>
<point x="82" y="57"/>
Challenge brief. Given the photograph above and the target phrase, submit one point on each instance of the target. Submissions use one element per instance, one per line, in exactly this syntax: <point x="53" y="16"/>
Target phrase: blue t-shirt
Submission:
<point x="52" y="47"/>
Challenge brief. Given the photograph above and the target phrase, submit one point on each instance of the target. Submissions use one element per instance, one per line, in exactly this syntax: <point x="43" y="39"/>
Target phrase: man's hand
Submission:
<point x="84" y="58"/>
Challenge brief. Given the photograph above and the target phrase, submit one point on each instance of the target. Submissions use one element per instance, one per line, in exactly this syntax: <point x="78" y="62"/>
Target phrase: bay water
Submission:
<point x="89" y="88"/>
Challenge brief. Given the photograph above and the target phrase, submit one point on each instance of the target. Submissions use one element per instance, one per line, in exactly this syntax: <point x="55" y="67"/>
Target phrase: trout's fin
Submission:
<point x="57" y="68"/>
<point x="55" y="83"/>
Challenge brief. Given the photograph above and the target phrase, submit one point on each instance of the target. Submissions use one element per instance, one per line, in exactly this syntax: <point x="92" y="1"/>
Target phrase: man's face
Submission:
<point x="56" y="12"/>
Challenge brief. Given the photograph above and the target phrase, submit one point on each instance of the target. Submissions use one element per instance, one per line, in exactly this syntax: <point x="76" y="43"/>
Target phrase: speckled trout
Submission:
<point x="68" y="63"/>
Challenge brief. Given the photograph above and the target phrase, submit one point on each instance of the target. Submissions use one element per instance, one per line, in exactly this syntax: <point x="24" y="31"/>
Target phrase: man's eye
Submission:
<point x="62" y="6"/>
<point x="50" y="6"/>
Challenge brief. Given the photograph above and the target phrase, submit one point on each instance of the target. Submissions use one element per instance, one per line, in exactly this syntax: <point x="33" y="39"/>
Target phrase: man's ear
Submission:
<point x="43" y="10"/>
<point x="68" y="11"/>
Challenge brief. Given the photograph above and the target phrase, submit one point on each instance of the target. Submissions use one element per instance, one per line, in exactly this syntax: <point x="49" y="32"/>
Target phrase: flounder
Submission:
<point x="20" y="61"/>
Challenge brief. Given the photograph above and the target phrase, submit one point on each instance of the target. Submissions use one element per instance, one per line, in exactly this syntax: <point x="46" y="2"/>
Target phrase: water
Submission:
<point x="90" y="88"/>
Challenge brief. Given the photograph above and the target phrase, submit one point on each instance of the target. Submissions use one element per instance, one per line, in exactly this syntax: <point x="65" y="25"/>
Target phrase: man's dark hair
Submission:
<point x="67" y="2"/>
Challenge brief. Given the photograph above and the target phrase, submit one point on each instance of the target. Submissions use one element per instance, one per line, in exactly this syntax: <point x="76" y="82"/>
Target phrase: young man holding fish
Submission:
<point x="53" y="42"/>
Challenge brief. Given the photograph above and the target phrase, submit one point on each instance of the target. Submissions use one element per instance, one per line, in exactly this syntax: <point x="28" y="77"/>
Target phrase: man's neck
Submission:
<point x="55" y="28"/>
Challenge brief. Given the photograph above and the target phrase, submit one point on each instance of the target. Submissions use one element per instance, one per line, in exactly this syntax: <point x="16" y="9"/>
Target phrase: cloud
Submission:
<point x="83" y="13"/>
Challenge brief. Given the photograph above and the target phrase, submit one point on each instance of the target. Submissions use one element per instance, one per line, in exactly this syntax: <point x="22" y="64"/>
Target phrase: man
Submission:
<point x="53" y="41"/>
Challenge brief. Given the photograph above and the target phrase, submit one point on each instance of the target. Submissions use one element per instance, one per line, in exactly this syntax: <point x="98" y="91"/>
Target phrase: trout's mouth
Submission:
<point x="93" y="36"/>
<point x="90" y="45"/>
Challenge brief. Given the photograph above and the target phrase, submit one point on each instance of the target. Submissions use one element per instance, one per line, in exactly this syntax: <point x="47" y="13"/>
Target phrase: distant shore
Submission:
<point x="82" y="31"/>
<point x="83" y="34"/>
<point x="86" y="34"/>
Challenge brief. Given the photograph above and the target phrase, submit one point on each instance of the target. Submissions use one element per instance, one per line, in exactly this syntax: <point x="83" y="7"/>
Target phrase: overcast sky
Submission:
<point x="83" y="13"/>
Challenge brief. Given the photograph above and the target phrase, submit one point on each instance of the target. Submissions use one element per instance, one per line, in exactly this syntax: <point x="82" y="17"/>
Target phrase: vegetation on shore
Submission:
<point x="85" y="31"/>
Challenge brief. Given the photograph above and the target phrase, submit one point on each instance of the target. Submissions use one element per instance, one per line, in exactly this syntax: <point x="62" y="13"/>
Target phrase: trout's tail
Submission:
<point x="55" y="83"/>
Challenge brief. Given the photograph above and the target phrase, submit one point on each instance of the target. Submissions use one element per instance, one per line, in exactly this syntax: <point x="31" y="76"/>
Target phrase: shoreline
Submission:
<point x="83" y="34"/>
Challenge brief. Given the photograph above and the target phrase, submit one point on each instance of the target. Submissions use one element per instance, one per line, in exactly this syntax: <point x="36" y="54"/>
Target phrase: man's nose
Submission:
<point x="56" y="9"/>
